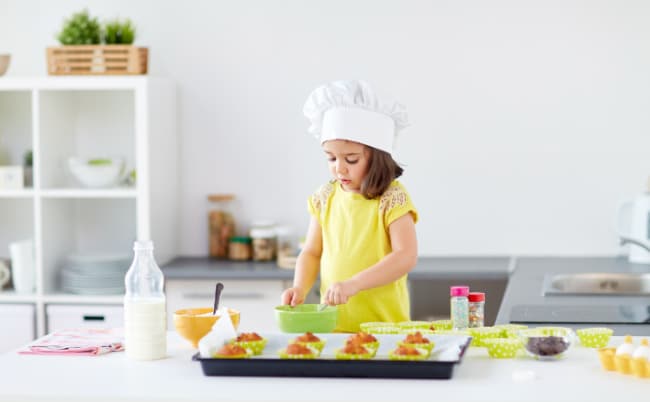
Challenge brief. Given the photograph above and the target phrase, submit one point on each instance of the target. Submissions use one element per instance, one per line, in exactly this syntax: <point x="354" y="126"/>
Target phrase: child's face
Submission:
<point x="348" y="162"/>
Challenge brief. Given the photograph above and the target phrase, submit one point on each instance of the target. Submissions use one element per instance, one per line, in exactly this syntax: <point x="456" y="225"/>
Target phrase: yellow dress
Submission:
<point x="355" y="237"/>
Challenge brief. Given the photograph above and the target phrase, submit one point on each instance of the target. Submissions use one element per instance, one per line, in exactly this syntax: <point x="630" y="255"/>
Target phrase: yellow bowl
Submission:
<point x="194" y="323"/>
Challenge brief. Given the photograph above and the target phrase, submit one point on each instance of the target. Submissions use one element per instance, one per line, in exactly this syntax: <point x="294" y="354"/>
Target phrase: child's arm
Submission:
<point x="393" y="266"/>
<point x="307" y="266"/>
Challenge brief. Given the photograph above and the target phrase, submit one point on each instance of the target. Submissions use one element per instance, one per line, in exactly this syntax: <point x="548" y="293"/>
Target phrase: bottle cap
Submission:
<point x="240" y="239"/>
<point x="459" y="290"/>
<point x="476" y="297"/>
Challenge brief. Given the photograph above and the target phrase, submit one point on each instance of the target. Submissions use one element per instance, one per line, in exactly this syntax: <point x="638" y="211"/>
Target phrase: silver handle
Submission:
<point x="242" y="295"/>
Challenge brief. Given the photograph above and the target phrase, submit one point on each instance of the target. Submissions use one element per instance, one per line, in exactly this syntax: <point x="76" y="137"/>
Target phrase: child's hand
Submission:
<point x="340" y="293"/>
<point x="293" y="297"/>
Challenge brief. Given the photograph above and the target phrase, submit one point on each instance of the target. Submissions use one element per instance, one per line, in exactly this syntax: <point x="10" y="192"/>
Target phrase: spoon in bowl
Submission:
<point x="217" y="296"/>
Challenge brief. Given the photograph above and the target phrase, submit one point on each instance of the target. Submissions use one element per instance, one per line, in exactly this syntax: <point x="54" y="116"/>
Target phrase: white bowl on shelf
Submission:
<point x="96" y="172"/>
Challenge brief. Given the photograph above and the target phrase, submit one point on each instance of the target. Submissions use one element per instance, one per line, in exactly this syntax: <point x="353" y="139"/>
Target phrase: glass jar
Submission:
<point x="459" y="307"/>
<point x="264" y="241"/>
<point x="221" y="224"/>
<point x="476" y="309"/>
<point x="239" y="248"/>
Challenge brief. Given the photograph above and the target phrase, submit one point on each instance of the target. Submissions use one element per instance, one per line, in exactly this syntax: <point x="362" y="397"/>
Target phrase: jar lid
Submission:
<point x="459" y="290"/>
<point x="476" y="297"/>
<point x="240" y="239"/>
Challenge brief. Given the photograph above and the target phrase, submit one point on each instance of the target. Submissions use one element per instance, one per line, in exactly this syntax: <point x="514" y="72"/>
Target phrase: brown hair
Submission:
<point x="382" y="170"/>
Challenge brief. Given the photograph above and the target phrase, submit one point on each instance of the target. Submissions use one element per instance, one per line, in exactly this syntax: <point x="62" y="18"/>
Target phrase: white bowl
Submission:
<point x="96" y="172"/>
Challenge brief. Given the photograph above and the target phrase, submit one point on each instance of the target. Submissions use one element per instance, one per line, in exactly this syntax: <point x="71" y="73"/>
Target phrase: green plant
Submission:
<point x="80" y="29"/>
<point x="28" y="158"/>
<point x="118" y="32"/>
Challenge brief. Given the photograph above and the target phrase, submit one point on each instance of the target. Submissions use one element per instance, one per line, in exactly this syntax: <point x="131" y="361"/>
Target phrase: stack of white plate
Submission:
<point x="94" y="274"/>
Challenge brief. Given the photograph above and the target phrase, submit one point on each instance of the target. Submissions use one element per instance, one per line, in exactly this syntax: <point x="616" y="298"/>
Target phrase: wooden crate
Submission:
<point x="97" y="60"/>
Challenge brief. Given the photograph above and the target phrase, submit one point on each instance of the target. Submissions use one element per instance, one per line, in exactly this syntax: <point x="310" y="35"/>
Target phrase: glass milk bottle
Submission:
<point x="145" y="321"/>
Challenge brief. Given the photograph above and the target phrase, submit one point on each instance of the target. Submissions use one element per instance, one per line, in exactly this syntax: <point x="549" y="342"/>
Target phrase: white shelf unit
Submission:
<point x="59" y="117"/>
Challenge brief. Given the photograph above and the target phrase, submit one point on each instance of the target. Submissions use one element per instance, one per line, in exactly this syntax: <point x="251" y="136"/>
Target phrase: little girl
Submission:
<point x="361" y="236"/>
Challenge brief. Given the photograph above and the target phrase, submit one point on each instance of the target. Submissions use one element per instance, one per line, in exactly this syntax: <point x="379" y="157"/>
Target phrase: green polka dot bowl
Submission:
<point x="594" y="337"/>
<point x="480" y="334"/>
<point x="441" y="325"/>
<point x="502" y="348"/>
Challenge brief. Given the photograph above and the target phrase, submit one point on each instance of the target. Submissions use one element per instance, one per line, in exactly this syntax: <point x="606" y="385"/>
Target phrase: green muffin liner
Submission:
<point x="510" y="330"/>
<point x="246" y="356"/>
<point x="424" y="354"/>
<point x="444" y="325"/>
<point x="314" y="345"/>
<point x="414" y="330"/>
<point x="255" y="347"/>
<point x="365" y="326"/>
<point x="350" y="356"/>
<point x="283" y="355"/>
<point x="387" y="329"/>
<point x="419" y="325"/>
<point x="503" y="348"/>
<point x="426" y="346"/>
<point x="594" y="337"/>
<point x="452" y="332"/>
<point x="480" y="334"/>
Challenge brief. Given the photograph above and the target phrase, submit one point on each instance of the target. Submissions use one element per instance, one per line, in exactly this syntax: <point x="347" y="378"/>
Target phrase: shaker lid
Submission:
<point x="476" y="297"/>
<point x="459" y="291"/>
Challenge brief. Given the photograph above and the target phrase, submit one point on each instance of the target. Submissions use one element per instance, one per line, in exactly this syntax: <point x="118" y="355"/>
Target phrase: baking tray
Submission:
<point x="448" y="351"/>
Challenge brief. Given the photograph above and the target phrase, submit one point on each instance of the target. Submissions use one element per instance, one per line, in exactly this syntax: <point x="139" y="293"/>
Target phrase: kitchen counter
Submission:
<point x="525" y="288"/>
<point x="478" y="378"/>
<point x="426" y="268"/>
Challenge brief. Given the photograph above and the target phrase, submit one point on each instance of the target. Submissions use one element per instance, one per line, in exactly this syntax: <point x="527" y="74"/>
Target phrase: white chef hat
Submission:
<point x="351" y="110"/>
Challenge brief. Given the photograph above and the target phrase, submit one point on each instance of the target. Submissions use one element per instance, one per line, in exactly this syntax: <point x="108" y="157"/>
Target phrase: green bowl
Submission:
<point x="306" y="318"/>
<point x="594" y="337"/>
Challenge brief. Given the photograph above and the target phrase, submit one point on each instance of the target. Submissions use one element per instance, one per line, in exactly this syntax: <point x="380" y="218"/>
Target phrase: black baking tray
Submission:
<point x="448" y="351"/>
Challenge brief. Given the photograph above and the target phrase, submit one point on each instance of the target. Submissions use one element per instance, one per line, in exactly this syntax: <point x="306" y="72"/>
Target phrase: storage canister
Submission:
<point x="239" y="248"/>
<point x="264" y="241"/>
<point x="459" y="307"/>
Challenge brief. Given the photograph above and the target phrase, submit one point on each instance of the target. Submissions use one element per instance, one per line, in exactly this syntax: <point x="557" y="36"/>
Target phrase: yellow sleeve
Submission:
<point x="395" y="203"/>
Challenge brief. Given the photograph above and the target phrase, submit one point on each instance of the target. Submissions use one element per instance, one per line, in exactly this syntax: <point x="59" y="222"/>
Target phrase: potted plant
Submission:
<point x="90" y="48"/>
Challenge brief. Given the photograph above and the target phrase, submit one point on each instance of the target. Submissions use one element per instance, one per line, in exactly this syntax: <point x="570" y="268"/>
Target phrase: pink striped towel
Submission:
<point x="80" y="342"/>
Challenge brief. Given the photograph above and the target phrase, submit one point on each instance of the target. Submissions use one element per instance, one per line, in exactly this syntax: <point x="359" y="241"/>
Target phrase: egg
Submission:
<point x="643" y="351"/>
<point x="627" y="348"/>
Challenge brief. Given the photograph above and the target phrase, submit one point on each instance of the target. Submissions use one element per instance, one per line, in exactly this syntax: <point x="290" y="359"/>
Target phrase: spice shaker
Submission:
<point x="476" y="309"/>
<point x="459" y="307"/>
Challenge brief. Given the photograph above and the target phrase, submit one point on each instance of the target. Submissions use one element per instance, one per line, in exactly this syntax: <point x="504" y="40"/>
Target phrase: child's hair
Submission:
<point x="382" y="170"/>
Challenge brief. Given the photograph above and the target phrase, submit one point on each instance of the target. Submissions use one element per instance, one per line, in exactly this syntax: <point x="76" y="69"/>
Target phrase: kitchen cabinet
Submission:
<point x="60" y="117"/>
<point x="255" y="299"/>
<point x="18" y="326"/>
<point x="83" y="316"/>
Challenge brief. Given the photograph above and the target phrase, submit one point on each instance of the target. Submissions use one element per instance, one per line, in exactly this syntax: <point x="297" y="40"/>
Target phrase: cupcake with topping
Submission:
<point x="354" y="351"/>
<point x="298" y="351"/>
<point x="310" y="340"/>
<point x="623" y="357"/>
<point x="366" y="340"/>
<point x="408" y="353"/>
<point x="231" y="351"/>
<point x="251" y="341"/>
<point x="640" y="359"/>
<point x="417" y="340"/>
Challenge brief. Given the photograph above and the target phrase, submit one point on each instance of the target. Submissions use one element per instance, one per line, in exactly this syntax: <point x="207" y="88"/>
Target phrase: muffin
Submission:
<point x="416" y="340"/>
<point x="251" y="341"/>
<point x="407" y="353"/>
<point x="231" y="351"/>
<point x="367" y="340"/>
<point x="310" y="340"/>
<point x="298" y="351"/>
<point x="354" y="351"/>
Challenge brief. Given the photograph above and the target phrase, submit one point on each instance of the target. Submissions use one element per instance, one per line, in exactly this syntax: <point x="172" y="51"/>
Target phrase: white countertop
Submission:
<point x="112" y="377"/>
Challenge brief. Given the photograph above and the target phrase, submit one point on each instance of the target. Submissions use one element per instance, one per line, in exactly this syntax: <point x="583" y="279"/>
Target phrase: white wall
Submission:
<point x="530" y="119"/>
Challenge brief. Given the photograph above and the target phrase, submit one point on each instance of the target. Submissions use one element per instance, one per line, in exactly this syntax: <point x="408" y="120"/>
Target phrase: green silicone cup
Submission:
<point x="255" y="347"/>
<point x="502" y="348"/>
<point x="424" y="354"/>
<point x="438" y="325"/>
<point x="480" y="334"/>
<point x="594" y="337"/>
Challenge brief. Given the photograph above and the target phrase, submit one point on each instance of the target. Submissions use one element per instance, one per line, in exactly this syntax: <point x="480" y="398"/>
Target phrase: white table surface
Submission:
<point x="112" y="377"/>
